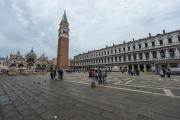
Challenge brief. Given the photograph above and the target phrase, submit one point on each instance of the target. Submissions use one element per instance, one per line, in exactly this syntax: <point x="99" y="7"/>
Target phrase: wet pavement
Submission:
<point x="123" y="97"/>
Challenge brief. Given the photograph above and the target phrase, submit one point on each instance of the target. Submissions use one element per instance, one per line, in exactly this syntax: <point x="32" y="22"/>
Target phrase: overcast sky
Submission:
<point x="93" y="23"/>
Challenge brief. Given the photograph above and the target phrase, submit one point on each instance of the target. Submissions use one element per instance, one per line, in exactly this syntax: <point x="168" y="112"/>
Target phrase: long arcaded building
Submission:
<point x="153" y="52"/>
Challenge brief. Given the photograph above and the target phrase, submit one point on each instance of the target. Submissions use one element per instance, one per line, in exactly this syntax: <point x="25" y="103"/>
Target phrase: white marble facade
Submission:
<point x="162" y="50"/>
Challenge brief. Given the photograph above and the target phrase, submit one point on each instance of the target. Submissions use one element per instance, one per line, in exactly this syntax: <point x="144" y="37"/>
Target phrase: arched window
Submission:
<point x="171" y="53"/>
<point x="20" y="65"/>
<point x="129" y="57"/>
<point x="13" y="65"/>
<point x="115" y="59"/>
<point x="154" y="55"/>
<point x="30" y="60"/>
<point x="140" y="56"/>
<point x="134" y="56"/>
<point x="112" y="59"/>
<point x="124" y="57"/>
<point x="162" y="53"/>
<point x="147" y="55"/>
<point x="38" y="65"/>
<point x="43" y="65"/>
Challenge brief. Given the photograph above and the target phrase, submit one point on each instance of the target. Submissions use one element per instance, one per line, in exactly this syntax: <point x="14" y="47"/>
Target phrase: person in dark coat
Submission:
<point x="54" y="74"/>
<point x="51" y="75"/>
<point x="60" y="74"/>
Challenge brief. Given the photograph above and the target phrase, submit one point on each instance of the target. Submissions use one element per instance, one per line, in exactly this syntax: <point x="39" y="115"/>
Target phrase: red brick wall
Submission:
<point x="62" y="53"/>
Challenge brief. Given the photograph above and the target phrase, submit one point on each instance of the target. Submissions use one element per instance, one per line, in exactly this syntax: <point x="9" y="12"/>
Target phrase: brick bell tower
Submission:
<point x="63" y="44"/>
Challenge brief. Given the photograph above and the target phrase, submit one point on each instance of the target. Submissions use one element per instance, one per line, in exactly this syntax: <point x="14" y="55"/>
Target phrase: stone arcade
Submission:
<point x="153" y="52"/>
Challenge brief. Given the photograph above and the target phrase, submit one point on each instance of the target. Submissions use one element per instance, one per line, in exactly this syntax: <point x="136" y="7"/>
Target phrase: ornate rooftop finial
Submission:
<point x="64" y="11"/>
<point x="32" y="50"/>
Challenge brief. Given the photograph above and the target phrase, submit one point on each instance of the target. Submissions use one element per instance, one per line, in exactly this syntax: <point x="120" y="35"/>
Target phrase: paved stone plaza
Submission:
<point x="123" y="97"/>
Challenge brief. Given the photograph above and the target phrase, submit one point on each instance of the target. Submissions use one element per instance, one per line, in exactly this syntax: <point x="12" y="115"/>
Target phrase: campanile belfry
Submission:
<point x="63" y="43"/>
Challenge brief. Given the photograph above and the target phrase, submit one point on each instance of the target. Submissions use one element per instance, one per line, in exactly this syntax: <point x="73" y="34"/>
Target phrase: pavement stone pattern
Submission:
<point x="123" y="97"/>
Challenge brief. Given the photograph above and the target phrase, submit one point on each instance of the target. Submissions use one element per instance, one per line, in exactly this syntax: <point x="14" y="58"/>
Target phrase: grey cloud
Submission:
<point x="93" y="24"/>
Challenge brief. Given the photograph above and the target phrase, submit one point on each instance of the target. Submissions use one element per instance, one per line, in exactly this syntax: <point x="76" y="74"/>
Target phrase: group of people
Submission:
<point x="53" y="74"/>
<point x="134" y="72"/>
<point x="163" y="72"/>
<point x="100" y="76"/>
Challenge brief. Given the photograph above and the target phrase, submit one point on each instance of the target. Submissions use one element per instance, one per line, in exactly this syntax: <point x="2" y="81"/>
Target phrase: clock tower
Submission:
<point x="63" y="44"/>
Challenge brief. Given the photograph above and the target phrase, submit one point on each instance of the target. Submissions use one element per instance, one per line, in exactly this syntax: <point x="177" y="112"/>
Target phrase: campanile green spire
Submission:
<point x="64" y="18"/>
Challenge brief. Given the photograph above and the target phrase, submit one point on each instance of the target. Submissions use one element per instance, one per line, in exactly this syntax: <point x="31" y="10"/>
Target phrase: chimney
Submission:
<point x="123" y="41"/>
<point x="149" y="34"/>
<point x="133" y="39"/>
<point x="164" y="32"/>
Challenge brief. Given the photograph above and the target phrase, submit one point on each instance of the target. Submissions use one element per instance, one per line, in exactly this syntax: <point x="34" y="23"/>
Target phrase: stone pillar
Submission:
<point x="138" y="67"/>
<point x="127" y="67"/>
<point x="132" y="58"/>
<point x="150" y="55"/>
<point x="132" y="67"/>
<point x="178" y="65"/>
<point x="158" y="55"/>
<point x="176" y="52"/>
<point x="110" y="59"/>
<point x="167" y="53"/>
<point x="168" y="65"/>
<point x="122" y="58"/>
<point x="145" y="68"/>
<point x="127" y="58"/>
<point x="144" y="57"/>
<point x="137" y="56"/>
<point x="117" y="58"/>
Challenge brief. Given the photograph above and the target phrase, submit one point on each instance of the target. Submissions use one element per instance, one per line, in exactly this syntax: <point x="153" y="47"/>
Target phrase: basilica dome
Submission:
<point x="31" y="54"/>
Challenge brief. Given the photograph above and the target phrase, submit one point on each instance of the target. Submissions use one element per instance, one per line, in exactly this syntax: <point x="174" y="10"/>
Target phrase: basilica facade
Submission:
<point x="147" y="54"/>
<point x="29" y="63"/>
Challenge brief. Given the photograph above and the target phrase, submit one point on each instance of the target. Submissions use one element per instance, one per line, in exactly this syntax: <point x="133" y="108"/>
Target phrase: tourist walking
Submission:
<point x="51" y="75"/>
<point x="60" y="74"/>
<point x="168" y="72"/>
<point x="161" y="72"/>
<point x="164" y="72"/>
<point x="96" y="75"/>
<point x="54" y="74"/>
<point x="100" y="76"/>
<point x="104" y="75"/>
